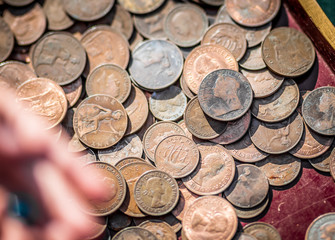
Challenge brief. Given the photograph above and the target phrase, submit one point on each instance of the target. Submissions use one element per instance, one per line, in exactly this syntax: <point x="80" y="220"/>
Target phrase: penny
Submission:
<point x="134" y="233"/>
<point x="141" y="7"/>
<point x="14" y="73"/>
<point x="44" y="98"/>
<point x="245" y="151"/>
<point x="112" y="179"/>
<point x="129" y="146"/>
<point x="160" y="229"/>
<point x="263" y="82"/>
<point x="169" y="104"/>
<point x="132" y="172"/>
<point x="168" y="218"/>
<point x="150" y="120"/>
<point x="280" y="169"/>
<point x="86" y="156"/>
<point x="118" y="220"/>
<point x="75" y="145"/>
<point x="229" y="36"/>
<point x="252" y="59"/>
<point x="73" y="91"/>
<point x="322" y="162"/>
<point x="60" y="57"/>
<point x="253" y="13"/>
<point x="261" y="230"/>
<point x="56" y="15"/>
<point x="332" y="163"/>
<point x="156" y="64"/>
<point x="243" y="236"/>
<point x="277" y="138"/>
<point x="156" y="193"/>
<point x="256" y="35"/>
<point x="188" y="134"/>
<point x="214" y="173"/>
<point x="27" y="25"/>
<point x="18" y="3"/>
<point x="97" y="228"/>
<point x="321" y="227"/>
<point x="318" y="110"/>
<point x="214" y="2"/>
<point x="279" y="105"/>
<point x="288" y="52"/>
<point x="121" y="20"/>
<point x="156" y="133"/>
<point x="136" y="40"/>
<point x="247" y="213"/>
<point x="210" y="217"/>
<point x="225" y="95"/>
<point x="185" y="88"/>
<point x="185" y="24"/>
<point x="223" y="16"/>
<point x="128" y="160"/>
<point x="6" y="40"/>
<point x="100" y="121"/>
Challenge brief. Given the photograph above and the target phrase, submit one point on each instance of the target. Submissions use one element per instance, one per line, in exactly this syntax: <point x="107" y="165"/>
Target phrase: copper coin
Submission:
<point x="214" y="173"/>
<point x="199" y="124"/>
<point x="169" y="104"/>
<point x="203" y="60"/>
<point x="14" y="73"/>
<point x="321" y="227"/>
<point x="160" y="229"/>
<point x="229" y="36"/>
<point x="322" y="162"/>
<point x="245" y="151"/>
<point x="121" y="20"/>
<point x="44" y="98"/>
<point x="150" y="120"/>
<point x="222" y="16"/>
<point x="243" y="236"/>
<point x="129" y="146"/>
<point x="332" y="163"/>
<point x="256" y="35"/>
<point x="73" y="91"/>
<point x="168" y="218"/>
<point x="136" y="40"/>
<point x="318" y="110"/>
<point x="279" y="105"/>
<point x="156" y="64"/>
<point x="75" y="145"/>
<point x="185" y="88"/>
<point x="86" y="156"/>
<point x="188" y="134"/>
<point x="247" y="213"/>
<point x="60" y="57"/>
<point x="261" y="230"/>
<point x="118" y="220"/>
<point x="235" y="130"/>
<point x="177" y="155"/>
<point x="263" y="82"/>
<point x="18" y="3"/>
<point x="185" y="24"/>
<point x="156" y="193"/>
<point x="141" y="7"/>
<point x="225" y="95"/>
<point x="6" y="40"/>
<point x="97" y="228"/>
<point x="132" y="172"/>
<point x="276" y="138"/>
<point x="156" y="133"/>
<point x="210" y="217"/>
<point x="127" y="160"/>
<point x="112" y="179"/>
<point x="288" y="52"/>
<point x="253" y="13"/>
<point x="134" y="233"/>
<point x="100" y="121"/>
<point x="252" y="59"/>
<point x="56" y="15"/>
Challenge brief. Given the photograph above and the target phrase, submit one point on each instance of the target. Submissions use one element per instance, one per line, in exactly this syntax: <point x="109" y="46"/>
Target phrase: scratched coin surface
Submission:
<point x="261" y="230"/>
<point x="14" y="73"/>
<point x="160" y="229"/>
<point x="156" y="193"/>
<point x="322" y="162"/>
<point x="134" y="233"/>
<point x="118" y="220"/>
<point x="141" y="7"/>
<point x="288" y="52"/>
<point x="60" y="57"/>
<point x="276" y="138"/>
<point x="280" y="169"/>
<point x="156" y="64"/>
<point x="249" y="187"/>
<point x="73" y="91"/>
<point x="252" y="59"/>
<point x="247" y="213"/>
<point x="225" y="95"/>
<point x="6" y="40"/>
<point x="214" y="173"/>
<point x="318" y="110"/>
<point x="321" y="227"/>
<point x="56" y="15"/>
<point x="100" y="121"/>
<point x="211" y="218"/>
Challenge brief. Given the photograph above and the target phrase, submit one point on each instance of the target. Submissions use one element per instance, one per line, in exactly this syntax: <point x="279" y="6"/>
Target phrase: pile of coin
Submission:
<point x="188" y="118"/>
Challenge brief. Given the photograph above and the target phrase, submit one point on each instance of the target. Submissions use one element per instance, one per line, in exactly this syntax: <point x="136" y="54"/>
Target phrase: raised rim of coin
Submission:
<point x="163" y="226"/>
<point x="10" y="37"/>
<point x="130" y="6"/>
<point x="247" y="213"/>
<point x="319" y="221"/>
<point x="147" y="234"/>
<point x="268" y="227"/>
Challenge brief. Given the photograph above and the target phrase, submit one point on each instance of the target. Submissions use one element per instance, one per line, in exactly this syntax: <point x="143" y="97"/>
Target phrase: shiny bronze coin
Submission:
<point x="156" y="64"/>
<point x="97" y="228"/>
<point x="214" y="173"/>
<point x="109" y="79"/>
<point x="288" y="52"/>
<point x="318" y="110"/>
<point x="60" y="57"/>
<point x="225" y="95"/>
<point x="322" y="162"/>
<point x="199" y="124"/>
<point x="185" y="88"/>
<point x="321" y="227"/>
<point x="168" y="218"/>
<point x="185" y="24"/>
<point x="280" y="169"/>
<point x="100" y="121"/>
<point x="118" y="221"/>
<point x="261" y="230"/>
<point x="86" y="156"/>
<point x="169" y="104"/>
<point x="121" y="20"/>
<point x="6" y="40"/>
<point x="141" y="7"/>
<point x="44" y="98"/>
<point x="253" y="13"/>
<point x="276" y="138"/>
<point x="14" y="73"/>
<point x="249" y="187"/>
<point x="160" y="229"/>
<point x="73" y="91"/>
<point x="229" y="36"/>
<point x="128" y="160"/>
<point x="211" y="218"/>
<point x="134" y="233"/>
<point x="252" y="59"/>
<point x="279" y="105"/>
<point x="18" y="3"/>
<point x="247" y="213"/>
<point x="56" y="15"/>
<point x="112" y="179"/>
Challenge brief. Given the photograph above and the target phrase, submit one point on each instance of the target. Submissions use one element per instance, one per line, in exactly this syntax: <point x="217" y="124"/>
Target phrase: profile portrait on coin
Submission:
<point x="327" y="109"/>
<point x="94" y="48"/>
<point x="155" y="189"/>
<point x="204" y="64"/>
<point x="327" y="231"/>
<point x="185" y="25"/>
<point x="254" y="7"/>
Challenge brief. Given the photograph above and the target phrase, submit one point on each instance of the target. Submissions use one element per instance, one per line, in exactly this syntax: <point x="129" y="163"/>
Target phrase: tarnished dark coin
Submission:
<point x="249" y="187"/>
<point x="322" y="163"/>
<point x="134" y="233"/>
<point x="288" y="52"/>
<point x="141" y="7"/>
<point x="156" y="193"/>
<point x="6" y="40"/>
<point x="56" y="15"/>
<point x="185" y="88"/>
<point x="247" y="213"/>
<point x="18" y="3"/>
<point x="160" y="229"/>
<point x="214" y="2"/>
<point x="225" y="95"/>
<point x="252" y="59"/>
<point x="60" y="57"/>
<point x="261" y="230"/>
<point x="100" y="121"/>
<point x="14" y="73"/>
<point x="321" y="227"/>
<point x="156" y="64"/>
<point x="118" y="221"/>
<point x="199" y="124"/>
<point x="318" y="110"/>
<point x="185" y="24"/>
<point x="276" y="138"/>
<point x="73" y="91"/>
<point x="128" y="160"/>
